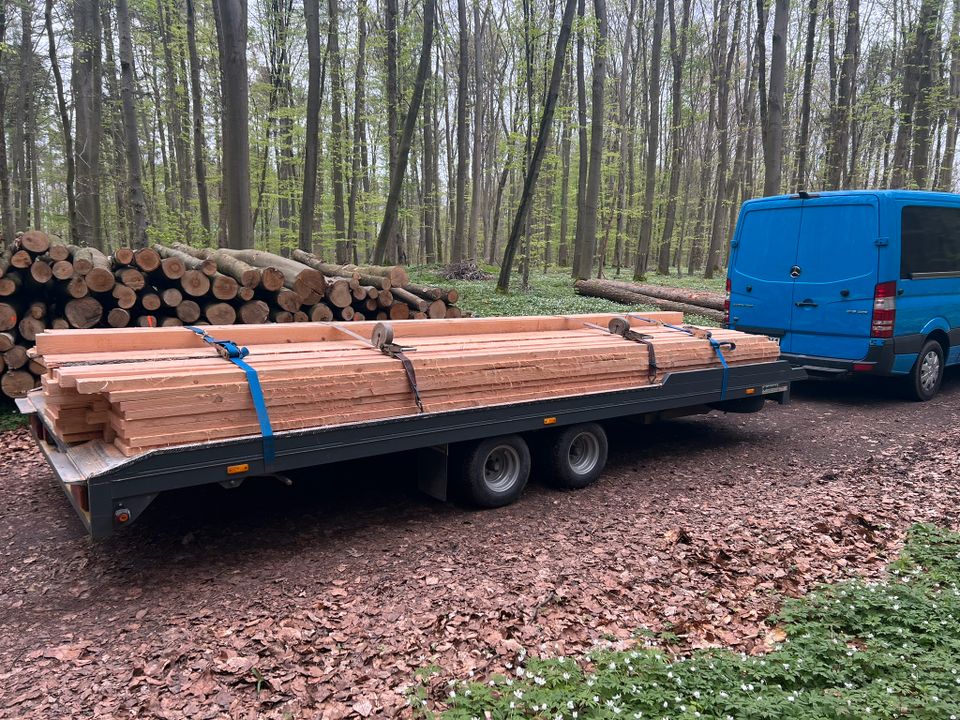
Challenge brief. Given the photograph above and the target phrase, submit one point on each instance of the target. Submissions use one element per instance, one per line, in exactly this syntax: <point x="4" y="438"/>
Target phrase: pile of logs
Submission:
<point x="693" y="302"/>
<point x="140" y="389"/>
<point x="48" y="284"/>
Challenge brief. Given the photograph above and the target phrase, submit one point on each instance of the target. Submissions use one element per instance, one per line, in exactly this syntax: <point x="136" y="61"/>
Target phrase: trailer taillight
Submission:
<point x="726" y="305"/>
<point x="884" y="310"/>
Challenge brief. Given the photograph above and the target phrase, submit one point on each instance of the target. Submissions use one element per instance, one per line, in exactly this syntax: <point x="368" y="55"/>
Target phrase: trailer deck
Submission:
<point x="109" y="490"/>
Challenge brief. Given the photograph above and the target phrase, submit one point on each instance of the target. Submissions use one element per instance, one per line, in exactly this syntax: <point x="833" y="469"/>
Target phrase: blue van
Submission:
<point x="864" y="281"/>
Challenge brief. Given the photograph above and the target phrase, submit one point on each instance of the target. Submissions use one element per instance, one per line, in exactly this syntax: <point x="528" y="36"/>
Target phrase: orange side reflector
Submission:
<point x="237" y="469"/>
<point x="550" y="421"/>
<point x="751" y="391"/>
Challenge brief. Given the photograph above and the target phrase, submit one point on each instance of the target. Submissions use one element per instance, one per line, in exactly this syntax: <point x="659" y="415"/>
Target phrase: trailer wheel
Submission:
<point x="577" y="456"/>
<point x="927" y="373"/>
<point x="496" y="470"/>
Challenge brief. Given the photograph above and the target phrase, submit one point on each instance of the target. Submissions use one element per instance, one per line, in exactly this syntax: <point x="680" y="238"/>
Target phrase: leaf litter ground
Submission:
<point x="323" y="600"/>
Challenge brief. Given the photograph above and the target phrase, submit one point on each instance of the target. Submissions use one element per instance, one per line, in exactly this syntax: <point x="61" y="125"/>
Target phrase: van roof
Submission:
<point x="893" y="194"/>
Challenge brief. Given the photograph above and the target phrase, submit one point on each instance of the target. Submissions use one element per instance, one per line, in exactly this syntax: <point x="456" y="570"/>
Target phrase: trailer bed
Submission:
<point x="109" y="489"/>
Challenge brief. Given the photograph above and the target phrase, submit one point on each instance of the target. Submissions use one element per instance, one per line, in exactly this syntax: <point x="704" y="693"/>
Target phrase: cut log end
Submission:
<point x="83" y="312"/>
<point x="17" y="383"/>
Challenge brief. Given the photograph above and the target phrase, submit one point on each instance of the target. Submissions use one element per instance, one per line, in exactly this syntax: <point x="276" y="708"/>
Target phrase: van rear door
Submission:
<point x="764" y="251"/>
<point x="837" y="267"/>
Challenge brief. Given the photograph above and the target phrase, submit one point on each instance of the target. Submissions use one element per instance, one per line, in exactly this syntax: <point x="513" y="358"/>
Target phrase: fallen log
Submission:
<point x="603" y="289"/>
<point x="703" y="298"/>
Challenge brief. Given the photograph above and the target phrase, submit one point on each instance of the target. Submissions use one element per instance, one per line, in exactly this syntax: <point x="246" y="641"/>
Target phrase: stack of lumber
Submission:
<point x="696" y="302"/>
<point x="143" y="389"/>
<point x="46" y="283"/>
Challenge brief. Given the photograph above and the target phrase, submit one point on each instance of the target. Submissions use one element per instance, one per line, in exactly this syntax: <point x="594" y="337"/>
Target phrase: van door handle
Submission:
<point x="806" y="303"/>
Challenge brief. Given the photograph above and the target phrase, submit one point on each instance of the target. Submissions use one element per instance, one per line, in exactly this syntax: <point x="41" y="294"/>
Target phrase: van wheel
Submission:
<point x="495" y="471"/>
<point x="927" y="373"/>
<point x="576" y="456"/>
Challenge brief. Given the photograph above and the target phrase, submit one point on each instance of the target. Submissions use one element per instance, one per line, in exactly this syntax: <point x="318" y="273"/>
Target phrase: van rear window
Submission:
<point x="930" y="241"/>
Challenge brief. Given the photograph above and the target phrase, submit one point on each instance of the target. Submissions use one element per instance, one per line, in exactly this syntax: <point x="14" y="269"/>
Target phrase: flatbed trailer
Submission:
<point x="109" y="490"/>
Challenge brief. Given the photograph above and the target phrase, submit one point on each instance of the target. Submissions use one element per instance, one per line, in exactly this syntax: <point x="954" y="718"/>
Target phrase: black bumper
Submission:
<point x="879" y="356"/>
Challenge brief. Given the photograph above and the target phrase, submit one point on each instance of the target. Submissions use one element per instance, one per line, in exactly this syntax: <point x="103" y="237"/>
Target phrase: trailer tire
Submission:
<point x="927" y="372"/>
<point x="576" y="456"/>
<point x="495" y="471"/>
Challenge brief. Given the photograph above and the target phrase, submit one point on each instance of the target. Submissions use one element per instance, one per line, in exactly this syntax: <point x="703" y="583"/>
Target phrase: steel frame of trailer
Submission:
<point x="117" y="491"/>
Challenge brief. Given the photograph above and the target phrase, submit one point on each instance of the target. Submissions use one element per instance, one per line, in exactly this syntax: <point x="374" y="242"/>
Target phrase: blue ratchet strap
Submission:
<point x="229" y="350"/>
<point x="723" y="361"/>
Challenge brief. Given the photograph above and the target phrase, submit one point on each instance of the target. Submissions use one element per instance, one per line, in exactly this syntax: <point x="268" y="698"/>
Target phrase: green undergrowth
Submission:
<point x="550" y="293"/>
<point x="10" y="418"/>
<point x="851" y="650"/>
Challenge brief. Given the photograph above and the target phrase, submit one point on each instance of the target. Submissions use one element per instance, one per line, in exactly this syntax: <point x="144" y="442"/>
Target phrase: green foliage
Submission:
<point x="549" y="293"/>
<point x="851" y="650"/>
<point x="11" y="419"/>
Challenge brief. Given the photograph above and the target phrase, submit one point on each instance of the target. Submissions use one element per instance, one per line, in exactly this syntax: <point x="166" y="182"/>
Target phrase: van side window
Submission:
<point x="930" y="241"/>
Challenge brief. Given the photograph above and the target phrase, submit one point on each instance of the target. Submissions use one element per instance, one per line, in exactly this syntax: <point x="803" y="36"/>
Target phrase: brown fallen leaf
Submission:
<point x="65" y="653"/>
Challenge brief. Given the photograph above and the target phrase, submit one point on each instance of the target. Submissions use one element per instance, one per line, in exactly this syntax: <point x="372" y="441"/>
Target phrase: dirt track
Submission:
<point x="332" y="593"/>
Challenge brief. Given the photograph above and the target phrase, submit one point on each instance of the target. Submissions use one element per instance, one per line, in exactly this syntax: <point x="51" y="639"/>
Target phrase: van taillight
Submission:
<point x="884" y="310"/>
<point x="726" y="306"/>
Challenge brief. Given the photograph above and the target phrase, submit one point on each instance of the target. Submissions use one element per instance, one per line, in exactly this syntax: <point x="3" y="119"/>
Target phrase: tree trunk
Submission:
<point x="773" y="147"/>
<point x="113" y="117"/>
<point x="8" y="226"/>
<point x="678" y="51"/>
<point x="953" y="113"/>
<point x="927" y="104"/>
<point x="582" y="148"/>
<point x="409" y="125"/>
<point x="64" y="125"/>
<point x="459" y="247"/>
<point x="138" y="205"/>
<point x="175" y="119"/>
<point x="336" y="132"/>
<point x="26" y="115"/>
<point x="840" y="117"/>
<point x="393" y="109"/>
<point x="803" y="138"/>
<point x="429" y="159"/>
<point x="231" y="20"/>
<point x="528" y="141"/>
<point x="311" y="11"/>
<point x="536" y="160"/>
<point x="86" y="80"/>
<point x="723" y="132"/>
<point x="916" y="54"/>
<point x="592" y="196"/>
<point x="200" y="167"/>
<point x="563" y="241"/>
<point x="477" y="165"/>
<point x="359" y="127"/>
<point x="653" y="137"/>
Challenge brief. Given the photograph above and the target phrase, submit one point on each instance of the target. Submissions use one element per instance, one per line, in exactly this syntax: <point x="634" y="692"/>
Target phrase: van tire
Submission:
<point x="575" y="456"/>
<point x="926" y="376"/>
<point x="494" y="472"/>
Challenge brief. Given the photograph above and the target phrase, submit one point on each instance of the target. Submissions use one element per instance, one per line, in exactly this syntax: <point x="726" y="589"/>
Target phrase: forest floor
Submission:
<point x="324" y="599"/>
<point x="552" y="293"/>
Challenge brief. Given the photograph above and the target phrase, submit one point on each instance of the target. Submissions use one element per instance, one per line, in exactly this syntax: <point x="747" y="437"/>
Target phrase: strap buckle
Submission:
<point x="621" y="327"/>
<point x="382" y="340"/>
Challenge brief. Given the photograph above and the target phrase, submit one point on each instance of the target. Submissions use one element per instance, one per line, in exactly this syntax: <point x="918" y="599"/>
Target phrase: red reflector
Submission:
<point x="863" y="367"/>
